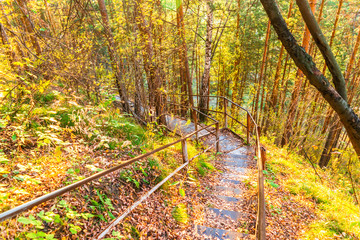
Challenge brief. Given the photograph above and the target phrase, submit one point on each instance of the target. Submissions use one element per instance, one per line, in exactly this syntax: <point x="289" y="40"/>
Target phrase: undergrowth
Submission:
<point x="61" y="140"/>
<point x="336" y="214"/>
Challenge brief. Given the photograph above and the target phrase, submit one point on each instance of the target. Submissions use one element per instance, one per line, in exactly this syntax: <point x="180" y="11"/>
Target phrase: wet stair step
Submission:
<point x="228" y="199"/>
<point x="228" y="191"/>
<point x="239" y="170"/>
<point x="236" y="177"/>
<point x="235" y="182"/>
<point x="235" y="163"/>
<point x="215" y="233"/>
<point x="225" y="214"/>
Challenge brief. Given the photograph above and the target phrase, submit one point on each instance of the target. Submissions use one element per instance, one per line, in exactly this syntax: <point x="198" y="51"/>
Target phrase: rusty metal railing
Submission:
<point x="183" y="140"/>
<point x="250" y="126"/>
<point x="252" y="133"/>
<point x="15" y="211"/>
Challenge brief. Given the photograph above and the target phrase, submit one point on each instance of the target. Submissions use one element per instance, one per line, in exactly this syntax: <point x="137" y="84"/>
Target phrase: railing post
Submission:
<point x="217" y="137"/>
<point x="225" y="114"/>
<point x="184" y="151"/>
<point x="194" y="115"/>
<point x="260" y="223"/>
<point x="248" y="129"/>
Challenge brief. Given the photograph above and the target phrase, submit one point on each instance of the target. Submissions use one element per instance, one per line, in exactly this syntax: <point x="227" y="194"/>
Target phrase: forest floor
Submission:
<point x="306" y="202"/>
<point x="64" y="140"/>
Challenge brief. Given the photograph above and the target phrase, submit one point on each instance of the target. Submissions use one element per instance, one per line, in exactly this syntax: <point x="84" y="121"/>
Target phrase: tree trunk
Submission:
<point x="275" y="90"/>
<point x="115" y="62"/>
<point x="9" y="51"/>
<point x="28" y="25"/>
<point x="261" y="76"/>
<point x="152" y="70"/>
<point x="347" y="116"/>
<point x="335" y="131"/>
<point x="288" y="130"/>
<point x="184" y="63"/>
<point x="205" y="79"/>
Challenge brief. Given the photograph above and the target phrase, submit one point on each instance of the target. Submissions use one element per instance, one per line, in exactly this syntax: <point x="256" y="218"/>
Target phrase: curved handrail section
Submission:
<point x="252" y="129"/>
<point x="260" y="223"/>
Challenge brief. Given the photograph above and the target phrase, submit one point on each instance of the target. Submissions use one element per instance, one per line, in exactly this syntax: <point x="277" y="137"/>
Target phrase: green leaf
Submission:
<point x="50" y="237"/>
<point x="18" y="178"/>
<point x="136" y="183"/>
<point x="41" y="234"/>
<point x="74" y="229"/>
<point x="353" y="224"/>
<point x="273" y="184"/>
<point x="111" y="215"/>
<point x="48" y="217"/>
<point x="143" y="172"/>
<point x="115" y="233"/>
<point x="108" y="202"/>
<point x="62" y="203"/>
<point x="86" y="216"/>
<point x="3" y="158"/>
<point x="32" y="235"/>
<point x="101" y="217"/>
<point x="24" y="220"/>
<point x="13" y="137"/>
<point x="72" y="214"/>
<point x="182" y="192"/>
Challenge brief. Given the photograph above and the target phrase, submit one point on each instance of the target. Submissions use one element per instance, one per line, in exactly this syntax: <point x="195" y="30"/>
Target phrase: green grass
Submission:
<point x="179" y="213"/>
<point x="336" y="212"/>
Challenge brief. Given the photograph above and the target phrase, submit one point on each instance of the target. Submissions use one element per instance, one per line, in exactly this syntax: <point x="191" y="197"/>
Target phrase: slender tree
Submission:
<point x="261" y="76"/>
<point x="114" y="58"/>
<point x="152" y="69"/>
<point x="184" y="63"/>
<point x="205" y="79"/>
<point x="333" y="96"/>
<point x="298" y="84"/>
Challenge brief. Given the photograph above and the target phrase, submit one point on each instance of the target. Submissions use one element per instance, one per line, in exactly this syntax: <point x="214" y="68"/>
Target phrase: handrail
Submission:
<point x="232" y="102"/>
<point x="145" y="196"/>
<point x="186" y="162"/>
<point x="15" y="211"/>
<point x="193" y="108"/>
<point x="260" y="222"/>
